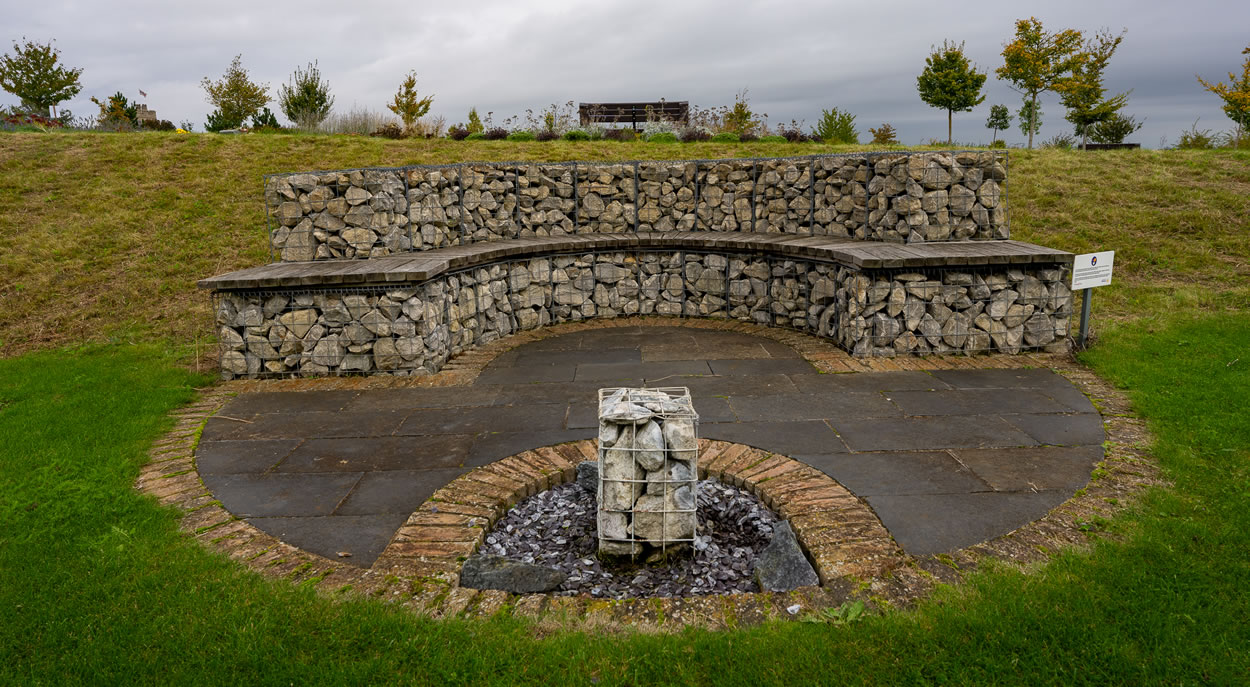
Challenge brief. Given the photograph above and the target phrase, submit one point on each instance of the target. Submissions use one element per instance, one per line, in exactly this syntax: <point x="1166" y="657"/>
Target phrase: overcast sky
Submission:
<point x="796" y="58"/>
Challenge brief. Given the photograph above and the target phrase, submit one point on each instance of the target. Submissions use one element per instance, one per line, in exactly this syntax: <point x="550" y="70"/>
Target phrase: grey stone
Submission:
<point x="588" y="475"/>
<point x="781" y="566"/>
<point x="679" y="435"/>
<point x="657" y="518"/>
<point x="486" y="571"/>
<point x="649" y="445"/>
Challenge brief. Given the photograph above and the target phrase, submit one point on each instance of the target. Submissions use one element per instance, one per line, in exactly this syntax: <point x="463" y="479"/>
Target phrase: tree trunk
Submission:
<point x="1032" y="119"/>
<point x="949" y="138"/>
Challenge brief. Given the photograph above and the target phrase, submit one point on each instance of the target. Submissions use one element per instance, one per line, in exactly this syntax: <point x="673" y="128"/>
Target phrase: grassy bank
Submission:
<point x="105" y="235"/>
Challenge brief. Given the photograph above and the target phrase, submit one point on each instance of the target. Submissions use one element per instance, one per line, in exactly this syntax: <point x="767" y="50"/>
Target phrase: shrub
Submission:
<point x="884" y="135"/>
<point x="726" y="137"/>
<point x="619" y="135"/>
<point x="358" y="120"/>
<point x="218" y="122"/>
<point x="774" y="139"/>
<point x="656" y="126"/>
<point x="119" y="114"/>
<point x="475" y="122"/>
<point x="390" y="130"/>
<point x="457" y="133"/>
<point x="546" y="135"/>
<point x="306" y="99"/>
<point x="521" y="136"/>
<point x="1061" y="142"/>
<point x="662" y="137"/>
<point x="748" y="137"/>
<point x="576" y="135"/>
<point x="741" y="120"/>
<point x="694" y="134"/>
<point x="476" y="136"/>
<point x="265" y="120"/>
<point x="1196" y="138"/>
<point x="792" y="134"/>
<point x="1114" y="129"/>
<point x="836" y="126"/>
<point x="998" y="143"/>
<point x="158" y="125"/>
<point x="496" y="134"/>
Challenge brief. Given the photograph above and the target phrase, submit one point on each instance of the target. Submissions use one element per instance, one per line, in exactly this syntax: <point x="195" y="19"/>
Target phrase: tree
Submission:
<point x="1000" y="120"/>
<point x="950" y="82"/>
<point x="885" y="135"/>
<point x="836" y="126"/>
<point x="1030" y="116"/>
<point x="475" y="122"/>
<point x="235" y="96"/>
<point x="117" y="113"/>
<point x="1081" y="90"/>
<point x="306" y="100"/>
<point x="31" y="73"/>
<point x="1236" y="97"/>
<point x="740" y="119"/>
<point x="1114" y="129"/>
<point x="1036" y="59"/>
<point x="407" y="105"/>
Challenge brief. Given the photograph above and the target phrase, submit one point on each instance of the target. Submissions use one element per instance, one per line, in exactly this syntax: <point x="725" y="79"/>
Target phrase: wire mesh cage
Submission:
<point x="648" y="469"/>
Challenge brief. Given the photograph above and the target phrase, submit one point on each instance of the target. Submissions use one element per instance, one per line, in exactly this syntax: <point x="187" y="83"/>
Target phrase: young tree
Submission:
<point x="117" y="113"/>
<point x="475" y="122"/>
<point x="1114" y="129"/>
<point x="234" y="95"/>
<point x="1000" y="120"/>
<point x="836" y="126"/>
<point x="1236" y="97"/>
<point x="740" y="119"/>
<point x="306" y="100"/>
<point x="950" y="82"/>
<point x="1081" y="90"/>
<point x="1030" y="116"/>
<point x="1036" y="59"/>
<point x="407" y="105"/>
<point x="31" y="73"/>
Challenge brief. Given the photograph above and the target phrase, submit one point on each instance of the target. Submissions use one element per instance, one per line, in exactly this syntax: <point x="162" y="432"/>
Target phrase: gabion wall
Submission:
<point x="414" y="329"/>
<point x="900" y="197"/>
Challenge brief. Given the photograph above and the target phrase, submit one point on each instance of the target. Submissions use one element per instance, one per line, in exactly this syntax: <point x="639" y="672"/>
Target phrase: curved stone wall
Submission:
<point x="414" y="328"/>
<point x="899" y="197"/>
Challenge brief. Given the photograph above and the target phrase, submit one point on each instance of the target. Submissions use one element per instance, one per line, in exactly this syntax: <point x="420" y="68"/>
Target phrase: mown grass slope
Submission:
<point x="103" y="236"/>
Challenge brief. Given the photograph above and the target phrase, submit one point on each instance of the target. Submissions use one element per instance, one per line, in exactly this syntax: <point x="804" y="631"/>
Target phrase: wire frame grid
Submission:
<point x="648" y="486"/>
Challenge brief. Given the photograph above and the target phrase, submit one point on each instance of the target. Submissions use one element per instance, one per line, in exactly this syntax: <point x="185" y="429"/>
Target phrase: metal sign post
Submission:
<point x="1089" y="271"/>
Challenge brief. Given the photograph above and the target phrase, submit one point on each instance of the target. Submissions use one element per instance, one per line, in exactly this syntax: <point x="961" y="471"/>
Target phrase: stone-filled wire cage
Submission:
<point x="648" y="469"/>
<point x="893" y="197"/>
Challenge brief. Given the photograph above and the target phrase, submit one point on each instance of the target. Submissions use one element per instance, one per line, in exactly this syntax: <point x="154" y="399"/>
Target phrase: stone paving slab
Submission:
<point x="966" y="451"/>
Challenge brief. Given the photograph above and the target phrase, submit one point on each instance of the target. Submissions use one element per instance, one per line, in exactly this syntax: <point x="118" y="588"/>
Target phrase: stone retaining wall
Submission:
<point x="414" y="328"/>
<point x="899" y="197"/>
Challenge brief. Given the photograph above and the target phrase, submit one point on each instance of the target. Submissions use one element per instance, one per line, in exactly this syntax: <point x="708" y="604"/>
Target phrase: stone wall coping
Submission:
<point x="410" y="268"/>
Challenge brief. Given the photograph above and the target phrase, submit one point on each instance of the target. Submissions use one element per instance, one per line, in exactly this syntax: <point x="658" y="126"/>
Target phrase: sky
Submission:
<point x="795" y="59"/>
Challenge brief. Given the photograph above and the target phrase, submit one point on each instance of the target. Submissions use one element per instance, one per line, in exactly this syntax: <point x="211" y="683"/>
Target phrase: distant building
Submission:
<point x="143" y="114"/>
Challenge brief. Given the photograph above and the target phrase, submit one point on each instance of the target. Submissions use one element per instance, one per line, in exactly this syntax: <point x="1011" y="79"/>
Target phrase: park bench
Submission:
<point x="395" y="270"/>
<point x="633" y="113"/>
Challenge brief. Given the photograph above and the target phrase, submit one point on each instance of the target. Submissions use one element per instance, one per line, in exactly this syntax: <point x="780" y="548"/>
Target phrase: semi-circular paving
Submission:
<point x="946" y="458"/>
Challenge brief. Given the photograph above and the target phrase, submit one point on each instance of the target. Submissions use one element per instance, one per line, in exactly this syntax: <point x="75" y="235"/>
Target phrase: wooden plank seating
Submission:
<point x="633" y="113"/>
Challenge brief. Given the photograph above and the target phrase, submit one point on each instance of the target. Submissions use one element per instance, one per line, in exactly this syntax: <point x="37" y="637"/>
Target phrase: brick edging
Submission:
<point x="421" y="572"/>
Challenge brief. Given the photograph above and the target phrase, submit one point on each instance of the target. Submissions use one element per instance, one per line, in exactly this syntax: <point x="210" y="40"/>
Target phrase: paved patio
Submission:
<point x="946" y="458"/>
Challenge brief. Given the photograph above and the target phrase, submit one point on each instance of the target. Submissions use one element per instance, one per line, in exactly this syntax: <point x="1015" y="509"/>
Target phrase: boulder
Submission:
<point x="488" y="571"/>
<point x="781" y="566"/>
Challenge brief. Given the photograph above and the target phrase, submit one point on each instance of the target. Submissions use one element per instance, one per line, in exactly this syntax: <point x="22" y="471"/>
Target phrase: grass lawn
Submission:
<point x="98" y="586"/>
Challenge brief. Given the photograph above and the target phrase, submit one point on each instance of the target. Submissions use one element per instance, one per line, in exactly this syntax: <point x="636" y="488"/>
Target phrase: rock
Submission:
<point x="955" y="331"/>
<point x="1039" y="330"/>
<point x="328" y="351"/>
<point x="623" y="480"/>
<point x="679" y="435"/>
<point x="674" y="477"/>
<point x="234" y="362"/>
<point x="781" y="566"/>
<point x="898" y="298"/>
<point x="649" y="446"/>
<point x="588" y="475"/>
<point x="486" y="571"/>
<point x="659" y="518"/>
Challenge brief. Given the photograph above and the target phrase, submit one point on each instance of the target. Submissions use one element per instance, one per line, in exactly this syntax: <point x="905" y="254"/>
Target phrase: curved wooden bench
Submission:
<point x="407" y="313"/>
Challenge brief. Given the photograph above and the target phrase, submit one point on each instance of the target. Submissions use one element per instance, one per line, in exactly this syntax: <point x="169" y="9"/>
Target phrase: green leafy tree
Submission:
<point x="32" y="74"/>
<point x="1000" y="119"/>
<point x="117" y="113"/>
<point x="740" y="119"/>
<point x="475" y="122"/>
<point x="1236" y="97"/>
<point x="1030" y="116"/>
<point x="884" y="135"/>
<point x="950" y="82"/>
<point x="407" y="104"/>
<point x="306" y="100"/>
<point x="836" y="126"/>
<point x="235" y="96"/>
<point x="1036" y="60"/>
<point x="1081" y="90"/>
<point x="1114" y="129"/>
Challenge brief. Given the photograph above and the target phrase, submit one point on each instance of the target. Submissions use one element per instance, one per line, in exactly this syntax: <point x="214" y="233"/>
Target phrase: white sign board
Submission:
<point x="1092" y="269"/>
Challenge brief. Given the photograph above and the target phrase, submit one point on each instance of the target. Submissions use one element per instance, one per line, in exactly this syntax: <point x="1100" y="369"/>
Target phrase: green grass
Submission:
<point x="98" y="586"/>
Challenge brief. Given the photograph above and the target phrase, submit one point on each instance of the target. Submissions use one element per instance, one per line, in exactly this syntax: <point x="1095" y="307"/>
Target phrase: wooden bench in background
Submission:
<point x="633" y="113"/>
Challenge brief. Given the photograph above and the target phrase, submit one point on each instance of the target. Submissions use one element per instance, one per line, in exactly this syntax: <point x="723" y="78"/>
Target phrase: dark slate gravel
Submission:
<point x="556" y="528"/>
